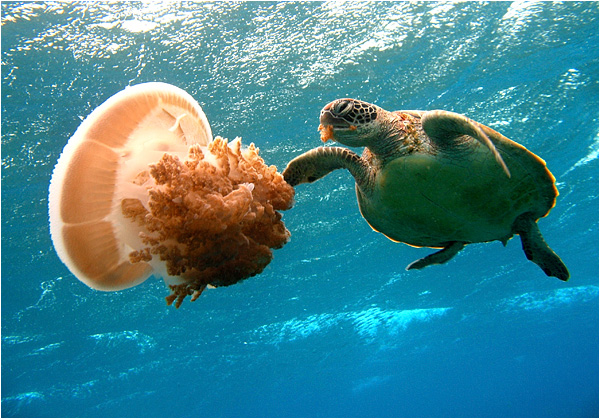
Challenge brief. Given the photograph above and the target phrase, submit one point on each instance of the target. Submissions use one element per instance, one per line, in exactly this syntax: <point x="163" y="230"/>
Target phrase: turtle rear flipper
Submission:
<point x="439" y="257"/>
<point x="537" y="250"/>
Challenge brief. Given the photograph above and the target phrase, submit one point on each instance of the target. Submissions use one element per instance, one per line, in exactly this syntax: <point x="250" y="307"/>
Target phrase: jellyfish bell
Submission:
<point x="96" y="170"/>
<point x="142" y="188"/>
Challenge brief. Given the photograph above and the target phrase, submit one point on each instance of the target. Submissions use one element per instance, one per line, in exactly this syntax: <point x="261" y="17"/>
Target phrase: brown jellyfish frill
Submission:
<point x="211" y="222"/>
<point x="141" y="188"/>
<point x="326" y="132"/>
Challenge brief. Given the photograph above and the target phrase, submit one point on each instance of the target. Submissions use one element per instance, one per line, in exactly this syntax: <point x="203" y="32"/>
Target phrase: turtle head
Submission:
<point x="352" y="122"/>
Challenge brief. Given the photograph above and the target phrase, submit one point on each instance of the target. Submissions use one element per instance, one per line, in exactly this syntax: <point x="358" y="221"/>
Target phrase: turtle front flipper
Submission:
<point x="537" y="250"/>
<point x="439" y="257"/>
<point x="444" y="128"/>
<point x="319" y="162"/>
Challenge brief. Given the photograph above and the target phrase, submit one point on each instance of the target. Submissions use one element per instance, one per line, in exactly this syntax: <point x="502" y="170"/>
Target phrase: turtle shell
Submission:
<point x="432" y="199"/>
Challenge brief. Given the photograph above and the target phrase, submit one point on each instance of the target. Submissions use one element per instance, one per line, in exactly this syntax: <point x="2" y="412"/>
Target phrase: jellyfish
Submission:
<point x="143" y="189"/>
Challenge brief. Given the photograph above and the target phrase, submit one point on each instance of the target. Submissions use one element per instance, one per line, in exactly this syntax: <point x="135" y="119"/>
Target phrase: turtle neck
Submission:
<point x="400" y="136"/>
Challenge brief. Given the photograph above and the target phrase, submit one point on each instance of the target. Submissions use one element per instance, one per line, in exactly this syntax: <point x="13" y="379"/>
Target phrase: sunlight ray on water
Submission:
<point x="367" y="324"/>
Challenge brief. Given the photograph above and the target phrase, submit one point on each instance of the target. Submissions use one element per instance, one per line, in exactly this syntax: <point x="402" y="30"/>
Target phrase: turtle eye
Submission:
<point x="342" y="107"/>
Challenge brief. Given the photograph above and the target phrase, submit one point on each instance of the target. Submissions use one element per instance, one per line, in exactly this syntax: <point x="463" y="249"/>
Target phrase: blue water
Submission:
<point x="334" y="326"/>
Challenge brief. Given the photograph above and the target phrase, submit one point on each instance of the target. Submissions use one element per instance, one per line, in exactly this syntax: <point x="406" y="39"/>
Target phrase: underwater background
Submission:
<point x="334" y="326"/>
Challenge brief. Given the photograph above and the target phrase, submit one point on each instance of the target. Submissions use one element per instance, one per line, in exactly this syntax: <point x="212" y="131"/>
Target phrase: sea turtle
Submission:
<point x="435" y="179"/>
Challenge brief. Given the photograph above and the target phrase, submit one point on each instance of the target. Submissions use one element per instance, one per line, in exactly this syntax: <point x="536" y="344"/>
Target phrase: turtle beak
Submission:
<point x="329" y="123"/>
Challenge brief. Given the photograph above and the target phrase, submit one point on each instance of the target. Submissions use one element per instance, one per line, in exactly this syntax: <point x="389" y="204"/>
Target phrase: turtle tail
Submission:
<point x="537" y="250"/>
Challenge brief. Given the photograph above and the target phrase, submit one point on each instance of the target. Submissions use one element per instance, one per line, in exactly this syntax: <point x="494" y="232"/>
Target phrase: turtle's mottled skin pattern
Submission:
<point x="436" y="179"/>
